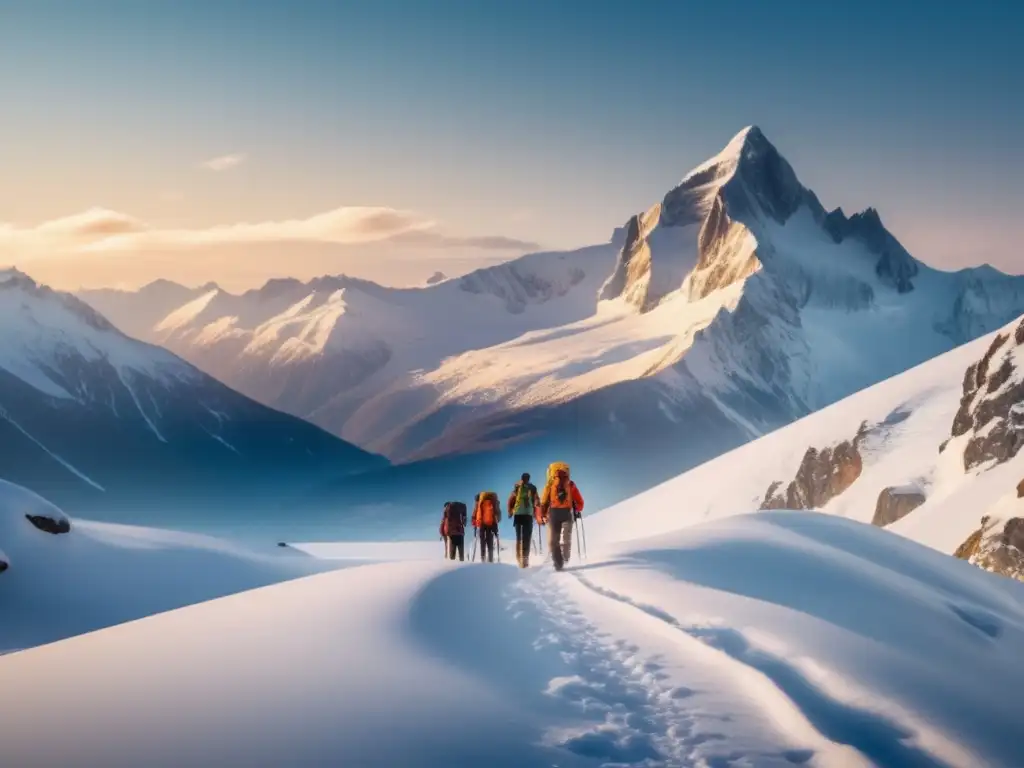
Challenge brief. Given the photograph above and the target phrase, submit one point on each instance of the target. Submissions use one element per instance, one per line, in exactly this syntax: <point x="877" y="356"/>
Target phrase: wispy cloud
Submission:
<point x="95" y="222"/>
<point x="101" y="230"/>
<point x="224" y="162"/>
<point x="433" y="239"/>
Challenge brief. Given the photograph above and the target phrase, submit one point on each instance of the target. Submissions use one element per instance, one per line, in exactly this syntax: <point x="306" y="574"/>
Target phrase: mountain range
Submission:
<point x="96" y="419"/>
<point x="735" y="305"/>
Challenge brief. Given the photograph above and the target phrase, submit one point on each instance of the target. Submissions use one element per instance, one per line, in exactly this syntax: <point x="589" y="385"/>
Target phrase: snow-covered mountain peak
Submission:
<point x="743" y="210"/>
<point x="33" y="296"/>
<point x="703" y="233"/>
<point x="52" y="340"/>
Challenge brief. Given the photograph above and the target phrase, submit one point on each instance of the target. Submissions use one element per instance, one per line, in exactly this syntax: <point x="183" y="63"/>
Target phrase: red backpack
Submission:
<point x="453" y="519"/>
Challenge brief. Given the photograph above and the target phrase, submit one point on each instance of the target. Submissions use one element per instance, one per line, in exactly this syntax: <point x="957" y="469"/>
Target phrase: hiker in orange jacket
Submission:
<point x="561" y="505"/>
<point x="486" y="516"/>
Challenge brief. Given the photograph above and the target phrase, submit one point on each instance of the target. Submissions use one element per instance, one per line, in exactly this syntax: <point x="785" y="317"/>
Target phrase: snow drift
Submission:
<point x="772" y="639"/>
<point x="96" y="575"/>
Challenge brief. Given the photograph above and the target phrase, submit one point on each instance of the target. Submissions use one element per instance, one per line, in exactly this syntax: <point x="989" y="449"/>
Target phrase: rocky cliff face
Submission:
<point x="700" y="233"/>
<point x="823" y="475"/>
<point x="895" y="265"/>
<point x="895" y="503"/>
<point x="991" y="413"/>
<point x="997" y="546"/>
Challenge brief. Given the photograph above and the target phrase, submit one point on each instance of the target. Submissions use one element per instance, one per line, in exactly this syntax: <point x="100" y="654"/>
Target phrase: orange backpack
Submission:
<point x="488" y="510"/>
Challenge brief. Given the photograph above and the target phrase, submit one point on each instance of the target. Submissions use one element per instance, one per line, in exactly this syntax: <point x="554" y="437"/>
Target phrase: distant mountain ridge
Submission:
<point x="93" y="418"/>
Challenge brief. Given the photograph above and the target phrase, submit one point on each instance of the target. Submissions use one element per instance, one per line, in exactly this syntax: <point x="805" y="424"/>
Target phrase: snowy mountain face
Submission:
<point x="732" y="307"/>
<point x="326" y="349"/>
<point x="138" y="312"/>
<point x="92" y="417"/>
<point x="932" y="455"/>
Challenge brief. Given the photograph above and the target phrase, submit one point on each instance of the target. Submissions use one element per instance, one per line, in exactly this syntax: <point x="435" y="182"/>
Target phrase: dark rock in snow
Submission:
<point x="895" y="504"/>
<point x="50" y="524"/>
<point x="822" y="476"/>
<point x="1020" y="490"/>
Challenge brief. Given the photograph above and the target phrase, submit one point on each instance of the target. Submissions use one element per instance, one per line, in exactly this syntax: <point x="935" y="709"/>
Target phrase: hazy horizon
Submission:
<point x="234" y="143"/>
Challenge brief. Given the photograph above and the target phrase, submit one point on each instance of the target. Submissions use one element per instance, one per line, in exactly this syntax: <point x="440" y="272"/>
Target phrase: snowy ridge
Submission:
<point x="42" y="332"/>
<point x="96" y="574"/>
<point x="89" y="413"/>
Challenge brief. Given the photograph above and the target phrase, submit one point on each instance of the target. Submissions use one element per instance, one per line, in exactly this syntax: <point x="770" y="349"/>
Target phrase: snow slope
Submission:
<point x="777" y="639"/>
<point x="94" y="418"/>
<point x="97" y="575"/>
<point x="908" y="445"/>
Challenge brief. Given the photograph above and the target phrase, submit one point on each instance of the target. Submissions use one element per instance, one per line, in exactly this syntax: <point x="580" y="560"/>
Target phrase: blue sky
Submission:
<point x="547" y="122"/>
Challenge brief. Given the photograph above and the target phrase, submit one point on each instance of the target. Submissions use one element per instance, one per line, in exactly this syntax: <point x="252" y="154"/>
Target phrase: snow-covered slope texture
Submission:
<point x="925" y="454"/>
<point x="138" y="312"/>
<point x="323" y="350"/>
<point x="91" y="417"/>
<point x="66" y="578"/>
<point x="770" y="640"/>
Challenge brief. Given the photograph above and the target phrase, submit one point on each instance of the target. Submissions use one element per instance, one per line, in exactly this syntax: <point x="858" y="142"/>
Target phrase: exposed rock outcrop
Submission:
<point x="54" y="525"/>
<point x="991" y="409"/>
<point x="895" y="503"/>
<point x="996" y="546"/>
<point x="437" y="277"/>
<point x="4" y="562"/>
<point x="823" y="475"/>
<point x="895" y="265"/>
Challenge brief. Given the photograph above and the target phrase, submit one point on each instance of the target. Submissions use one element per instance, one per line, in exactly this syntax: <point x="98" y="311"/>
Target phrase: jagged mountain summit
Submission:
<point x="92" y="417"/>
<point x="712" y="229"/>
<point x="732" y="307"/>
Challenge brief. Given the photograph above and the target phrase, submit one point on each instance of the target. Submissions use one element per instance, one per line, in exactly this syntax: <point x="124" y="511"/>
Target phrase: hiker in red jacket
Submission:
<point x="561" y="505"/>
<point x="453" y="528"/>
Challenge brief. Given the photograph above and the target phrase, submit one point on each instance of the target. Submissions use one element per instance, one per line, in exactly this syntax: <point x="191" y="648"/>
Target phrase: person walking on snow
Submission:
<point x="522" y="506"/>
<point x="561" y="504"/>
<point x="453" y="528"/>
<point x="486" y="517"/>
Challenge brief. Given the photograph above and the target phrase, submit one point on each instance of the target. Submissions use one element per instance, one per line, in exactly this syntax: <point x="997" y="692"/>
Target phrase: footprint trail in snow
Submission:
<point x="631" y="710"/>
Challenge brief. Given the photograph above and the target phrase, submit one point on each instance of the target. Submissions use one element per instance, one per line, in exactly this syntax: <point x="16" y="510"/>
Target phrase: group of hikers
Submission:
<point x="558" y="506"/>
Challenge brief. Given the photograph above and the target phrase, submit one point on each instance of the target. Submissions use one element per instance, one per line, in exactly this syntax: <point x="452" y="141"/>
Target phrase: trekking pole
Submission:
<point x="472" y="558"/>
<point x="578" y="547"/>
<point x="584" y="531"/>
<point x="497" y="543"/>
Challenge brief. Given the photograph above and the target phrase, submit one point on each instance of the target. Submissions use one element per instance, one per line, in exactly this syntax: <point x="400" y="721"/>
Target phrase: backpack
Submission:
<point x="524" y="499"/>
<point x="453" y="519"/>
<point x="554" y="470"/>
<point x="479" y="518"/>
